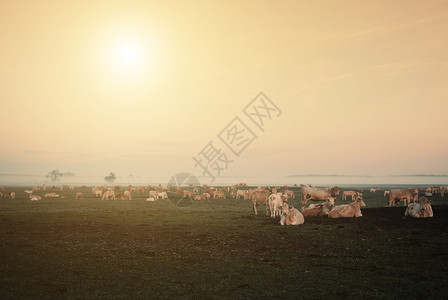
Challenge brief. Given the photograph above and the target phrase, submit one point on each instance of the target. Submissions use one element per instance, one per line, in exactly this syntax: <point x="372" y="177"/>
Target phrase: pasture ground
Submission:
<point x="84" y="249"/>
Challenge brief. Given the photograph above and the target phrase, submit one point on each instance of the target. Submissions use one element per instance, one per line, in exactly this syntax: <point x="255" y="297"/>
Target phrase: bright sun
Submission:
<point x="128" y="55"/>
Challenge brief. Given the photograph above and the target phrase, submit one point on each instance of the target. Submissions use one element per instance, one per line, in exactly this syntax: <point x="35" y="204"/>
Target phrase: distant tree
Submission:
<point x="110" y="178"/>
<point x="54" y="175"/>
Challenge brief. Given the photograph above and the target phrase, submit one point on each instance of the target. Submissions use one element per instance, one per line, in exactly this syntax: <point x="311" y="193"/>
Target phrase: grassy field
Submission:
<point x="84" y="249"/>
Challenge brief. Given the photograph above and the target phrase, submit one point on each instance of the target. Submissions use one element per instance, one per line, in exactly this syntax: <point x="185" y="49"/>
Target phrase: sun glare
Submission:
<point x="128" y="56"/>
<point x="125" y="57"/>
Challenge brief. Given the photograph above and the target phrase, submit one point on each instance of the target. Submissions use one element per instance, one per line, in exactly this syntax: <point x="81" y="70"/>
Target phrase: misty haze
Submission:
<point x="223" y="150"/>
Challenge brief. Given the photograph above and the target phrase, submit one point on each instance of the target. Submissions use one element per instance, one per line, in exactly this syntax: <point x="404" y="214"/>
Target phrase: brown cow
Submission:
<point x="352" y="194"/>
<point x="260" y="197"/>
<point x="219" y="195"/>
<point x="319" y="209"/>
<point x="319" y="194"/>
<point x="405" y="195"/>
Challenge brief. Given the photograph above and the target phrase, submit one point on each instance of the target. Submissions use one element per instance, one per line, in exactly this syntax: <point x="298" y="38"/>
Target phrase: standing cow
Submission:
<point x="319" y="194"/>
<point x="405" y="195"/>
<point x="260" y="197"/>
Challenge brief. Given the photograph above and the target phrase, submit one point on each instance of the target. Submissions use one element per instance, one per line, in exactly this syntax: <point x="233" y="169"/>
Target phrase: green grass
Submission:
<point x="83" y="249"/>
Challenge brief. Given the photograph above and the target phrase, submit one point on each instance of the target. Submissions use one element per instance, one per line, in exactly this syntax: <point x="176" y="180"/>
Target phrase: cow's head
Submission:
<point x="285" y="209"/>
<point x="335" y="190"/>
<point x="361" y="202"/>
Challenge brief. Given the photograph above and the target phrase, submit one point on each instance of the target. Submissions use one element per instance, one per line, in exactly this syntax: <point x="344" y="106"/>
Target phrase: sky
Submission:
<point x="142" y="87"/>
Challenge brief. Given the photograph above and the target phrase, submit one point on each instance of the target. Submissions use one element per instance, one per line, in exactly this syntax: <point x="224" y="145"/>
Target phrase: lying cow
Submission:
<point x="150" y="199"/>
<point x="275" y="204"/>
<point x="35" y="198"/>
<point x="420" y="209"/>
<point x="319" y="194"/>
<point x="200" y="197"/>
<point x="315" y="210"/>
<point x="291" y="216"/>
<point x="51" y="195"/>
<point x="348" y="210"/>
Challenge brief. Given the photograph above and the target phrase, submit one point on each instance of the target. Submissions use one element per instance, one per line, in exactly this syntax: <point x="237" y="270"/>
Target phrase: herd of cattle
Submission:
<point x="274" y="199"/>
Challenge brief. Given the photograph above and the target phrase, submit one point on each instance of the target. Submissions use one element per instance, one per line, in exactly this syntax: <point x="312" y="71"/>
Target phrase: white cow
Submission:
<point x="162" y="195"/>
<point x="241" y="193"/>
<point x="35" y="197"/>
<point x="151" y="199"/>
<point x="275" y="204"/>
<point x="291" y="216"/>
<point x="420" y="209"/>
<point x="98" y="190"/>
<point x="51" y="195"/>
<point x="127" y="195"/>
<point x="107" y="195"/>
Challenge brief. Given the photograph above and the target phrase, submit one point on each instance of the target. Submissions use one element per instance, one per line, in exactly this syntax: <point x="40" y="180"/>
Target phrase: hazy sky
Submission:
<point x="139" y="87"/>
